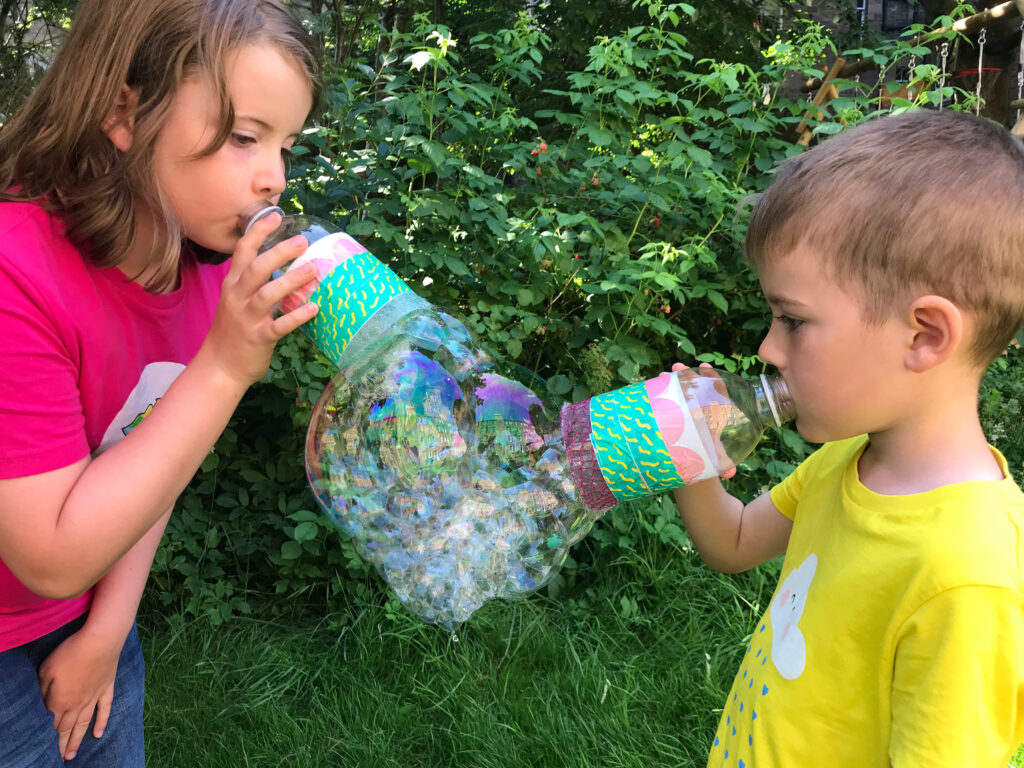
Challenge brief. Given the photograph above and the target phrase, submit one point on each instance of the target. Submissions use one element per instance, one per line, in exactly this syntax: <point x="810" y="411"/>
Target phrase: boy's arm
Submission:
<point x="77" y="678"/>
<point x="729" y="536"/>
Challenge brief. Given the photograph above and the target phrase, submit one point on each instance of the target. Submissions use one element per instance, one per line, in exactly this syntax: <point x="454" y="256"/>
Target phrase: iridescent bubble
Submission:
<point x="447" y="475"/>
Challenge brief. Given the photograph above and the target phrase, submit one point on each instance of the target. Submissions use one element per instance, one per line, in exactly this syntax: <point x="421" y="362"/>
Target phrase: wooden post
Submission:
<point x="826" y="92"/>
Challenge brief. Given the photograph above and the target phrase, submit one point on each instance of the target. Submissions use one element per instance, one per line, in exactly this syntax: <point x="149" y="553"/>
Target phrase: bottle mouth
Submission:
<point x="255" y="212"/>
<point x="776" y="392"/>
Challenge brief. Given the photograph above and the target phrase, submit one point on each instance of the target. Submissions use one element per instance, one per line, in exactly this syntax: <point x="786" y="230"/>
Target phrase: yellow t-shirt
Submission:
<point x="896" y="633"/>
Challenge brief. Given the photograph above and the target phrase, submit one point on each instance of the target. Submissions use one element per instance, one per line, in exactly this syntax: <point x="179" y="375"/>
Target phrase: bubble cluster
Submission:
<point x="448" y="475"/>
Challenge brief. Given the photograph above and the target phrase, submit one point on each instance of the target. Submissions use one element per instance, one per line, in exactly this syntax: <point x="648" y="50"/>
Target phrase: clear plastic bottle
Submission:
<point x="673" y="430"/>
<point x="456" y="480"/>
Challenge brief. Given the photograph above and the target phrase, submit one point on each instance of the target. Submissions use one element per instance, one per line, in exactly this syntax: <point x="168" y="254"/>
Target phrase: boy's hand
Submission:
<point x="244" y="331"/>
<point x="706" y="371"/>
<point x="77" y="679"/>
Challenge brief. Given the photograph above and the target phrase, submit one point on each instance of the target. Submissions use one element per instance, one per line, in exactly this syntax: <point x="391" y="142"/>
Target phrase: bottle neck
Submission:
<point x="775" y="405"/>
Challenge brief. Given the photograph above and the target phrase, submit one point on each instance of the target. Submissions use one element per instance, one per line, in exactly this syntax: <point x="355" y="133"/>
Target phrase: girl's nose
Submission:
<point x="270" y="177"/>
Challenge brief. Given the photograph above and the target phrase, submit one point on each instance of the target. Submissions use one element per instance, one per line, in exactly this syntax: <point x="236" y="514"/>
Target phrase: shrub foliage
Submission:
<point x="587" y="226"/>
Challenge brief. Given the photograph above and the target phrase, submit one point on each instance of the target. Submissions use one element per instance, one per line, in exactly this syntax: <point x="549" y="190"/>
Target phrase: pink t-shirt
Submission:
<point x="84" y="356"/>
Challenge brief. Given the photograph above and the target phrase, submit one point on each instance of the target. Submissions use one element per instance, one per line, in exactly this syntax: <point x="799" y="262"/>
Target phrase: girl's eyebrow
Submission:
<point x="263" y="124"/>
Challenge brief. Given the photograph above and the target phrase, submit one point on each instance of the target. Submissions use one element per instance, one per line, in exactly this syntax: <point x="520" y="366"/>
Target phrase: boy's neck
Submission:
<point x="940" y="444"/>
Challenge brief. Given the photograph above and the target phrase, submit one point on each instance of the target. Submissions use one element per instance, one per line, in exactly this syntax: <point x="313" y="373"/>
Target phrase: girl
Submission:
<point x="122" y="356"/>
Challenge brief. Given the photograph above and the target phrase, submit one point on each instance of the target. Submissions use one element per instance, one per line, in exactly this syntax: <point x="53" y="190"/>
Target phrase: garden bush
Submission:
<point x="592" y="241"/>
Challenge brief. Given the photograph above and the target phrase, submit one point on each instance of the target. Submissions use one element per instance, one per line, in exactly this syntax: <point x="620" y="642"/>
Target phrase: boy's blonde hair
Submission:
<point x="922" y="202"/>
<point x="55" y="148"/>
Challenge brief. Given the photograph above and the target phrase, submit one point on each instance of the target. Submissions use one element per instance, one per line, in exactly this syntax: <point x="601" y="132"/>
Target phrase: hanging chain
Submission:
<point x="944" y="51"/>
<point x="981" y="56"/>
<point x="1020" y="69"/>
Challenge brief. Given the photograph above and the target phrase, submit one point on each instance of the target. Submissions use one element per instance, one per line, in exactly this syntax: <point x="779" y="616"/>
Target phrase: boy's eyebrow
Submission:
<point x="783" y="301"/>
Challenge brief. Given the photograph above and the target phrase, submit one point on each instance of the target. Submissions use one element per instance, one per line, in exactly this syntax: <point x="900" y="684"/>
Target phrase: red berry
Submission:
<point x="543" y="147"/>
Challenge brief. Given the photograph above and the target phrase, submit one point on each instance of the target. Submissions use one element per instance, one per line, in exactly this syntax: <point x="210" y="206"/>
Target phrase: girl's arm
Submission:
<point x="61" y="531"/>
<point x="77" y="678"/>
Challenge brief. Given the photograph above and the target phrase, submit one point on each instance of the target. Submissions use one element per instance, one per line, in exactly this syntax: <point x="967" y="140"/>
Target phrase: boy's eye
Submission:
<point x="791" y="323"/>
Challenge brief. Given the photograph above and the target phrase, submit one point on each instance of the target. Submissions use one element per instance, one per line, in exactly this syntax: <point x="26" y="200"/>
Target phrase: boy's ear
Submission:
<point x="119" y="125"/>
<point x="937" y="325"/>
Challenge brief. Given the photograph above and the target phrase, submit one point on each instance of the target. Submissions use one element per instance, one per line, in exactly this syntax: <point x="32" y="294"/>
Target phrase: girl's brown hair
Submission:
<point x="922" y="202"/>
<point x="55" y="149"/>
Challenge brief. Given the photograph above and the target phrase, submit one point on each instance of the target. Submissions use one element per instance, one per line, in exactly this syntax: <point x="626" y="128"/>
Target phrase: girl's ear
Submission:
<point x="119" y="125"/>
<point x="937" y="325"/>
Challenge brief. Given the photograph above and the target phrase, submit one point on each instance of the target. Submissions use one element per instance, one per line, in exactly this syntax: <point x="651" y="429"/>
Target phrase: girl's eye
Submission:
<point x="242" y="140"/>
<point x="791" y="323"/>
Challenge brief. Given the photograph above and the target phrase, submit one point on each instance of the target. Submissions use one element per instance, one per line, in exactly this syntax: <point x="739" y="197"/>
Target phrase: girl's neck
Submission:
<point x="137" y="265"/>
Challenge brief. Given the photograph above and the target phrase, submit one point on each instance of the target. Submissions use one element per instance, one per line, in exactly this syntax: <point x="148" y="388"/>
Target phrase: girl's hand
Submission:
<point x="244" y="332"/>
<point x="77" y="679"/>
<point x="720" y="388"/>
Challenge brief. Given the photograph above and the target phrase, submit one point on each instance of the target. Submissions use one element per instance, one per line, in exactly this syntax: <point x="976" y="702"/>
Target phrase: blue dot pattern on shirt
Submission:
<point x="735" y="739"/>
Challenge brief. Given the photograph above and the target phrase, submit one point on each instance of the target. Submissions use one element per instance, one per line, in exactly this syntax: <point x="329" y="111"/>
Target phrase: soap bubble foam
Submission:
<point x="449" y="476"/>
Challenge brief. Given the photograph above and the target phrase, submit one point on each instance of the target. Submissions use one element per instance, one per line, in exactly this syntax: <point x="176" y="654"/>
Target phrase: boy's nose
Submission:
<point x="768" y="352"/>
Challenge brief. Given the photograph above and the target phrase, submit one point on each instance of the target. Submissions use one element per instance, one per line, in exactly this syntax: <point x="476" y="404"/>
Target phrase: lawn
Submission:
<point x="627" y="668"/>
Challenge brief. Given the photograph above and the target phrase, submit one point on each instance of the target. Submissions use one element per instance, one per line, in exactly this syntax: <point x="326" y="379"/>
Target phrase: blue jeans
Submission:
<point x="27" y="737"/>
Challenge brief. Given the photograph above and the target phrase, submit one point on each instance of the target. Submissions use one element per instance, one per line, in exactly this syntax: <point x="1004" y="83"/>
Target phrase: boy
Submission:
<point x="892" y="257"/>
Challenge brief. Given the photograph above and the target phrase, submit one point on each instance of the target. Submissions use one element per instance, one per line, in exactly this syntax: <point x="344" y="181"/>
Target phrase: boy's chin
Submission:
<point x="822" y="433"/>
<point x="206" y="255"/>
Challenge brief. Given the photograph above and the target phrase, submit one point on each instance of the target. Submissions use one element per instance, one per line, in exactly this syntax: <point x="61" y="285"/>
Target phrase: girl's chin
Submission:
<point x="205" y="255"/>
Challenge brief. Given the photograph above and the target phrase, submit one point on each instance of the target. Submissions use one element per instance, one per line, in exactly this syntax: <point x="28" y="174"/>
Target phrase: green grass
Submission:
<point x="631" y="669"/>
<point x="627" y="668"/>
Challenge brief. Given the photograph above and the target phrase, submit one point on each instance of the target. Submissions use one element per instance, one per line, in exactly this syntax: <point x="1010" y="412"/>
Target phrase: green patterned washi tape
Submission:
<point x="633" y="457"/>
<point x="347" y="297"/>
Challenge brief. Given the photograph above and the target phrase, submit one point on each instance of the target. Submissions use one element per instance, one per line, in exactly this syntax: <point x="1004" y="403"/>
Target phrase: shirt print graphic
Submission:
<point x="789" y="651"/>
<point x="778" y="637"/>
<point x="154" y="382"/>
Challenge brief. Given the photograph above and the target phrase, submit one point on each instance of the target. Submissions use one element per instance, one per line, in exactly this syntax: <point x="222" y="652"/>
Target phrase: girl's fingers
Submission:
<point x="285" y="324"/>
<point x="270" y="294"/>
<point x="261" y="268"/>
<point x="248" y="244"/>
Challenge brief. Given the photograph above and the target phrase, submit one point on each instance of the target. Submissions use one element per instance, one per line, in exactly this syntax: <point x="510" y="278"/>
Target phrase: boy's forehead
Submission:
<point x="796" y="277"/>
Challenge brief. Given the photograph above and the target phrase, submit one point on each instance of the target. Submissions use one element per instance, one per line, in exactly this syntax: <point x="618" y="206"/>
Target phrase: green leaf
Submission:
<point x="559" y="384"/>
<point x="306" y="531"/>
<point x="600" y="136"/>
<point x="718" y="300"/>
